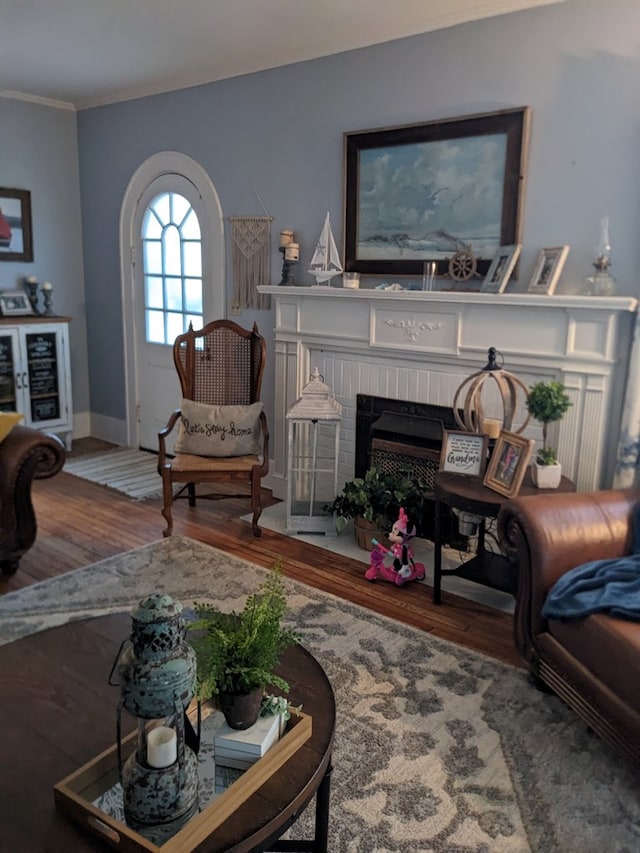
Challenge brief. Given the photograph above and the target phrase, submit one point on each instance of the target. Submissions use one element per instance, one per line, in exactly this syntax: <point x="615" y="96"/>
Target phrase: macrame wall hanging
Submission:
<point x="251" y="261"/>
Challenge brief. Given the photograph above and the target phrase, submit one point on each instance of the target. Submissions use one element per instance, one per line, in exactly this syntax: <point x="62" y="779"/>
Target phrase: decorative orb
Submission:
<point x="468" y="397"/>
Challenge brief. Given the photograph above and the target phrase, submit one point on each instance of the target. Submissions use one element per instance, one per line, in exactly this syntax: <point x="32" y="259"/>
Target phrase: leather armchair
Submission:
<point x="25" y="454"/>
<point x="593" y="663"/>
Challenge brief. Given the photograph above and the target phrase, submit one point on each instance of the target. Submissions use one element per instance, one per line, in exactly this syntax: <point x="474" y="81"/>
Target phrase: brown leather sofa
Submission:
<point x="593" y="663"/>
<point x="25" y="454"/>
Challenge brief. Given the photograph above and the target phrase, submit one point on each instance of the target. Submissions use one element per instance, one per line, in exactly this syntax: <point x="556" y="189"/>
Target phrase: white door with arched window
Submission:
<point x="173" y="236"/>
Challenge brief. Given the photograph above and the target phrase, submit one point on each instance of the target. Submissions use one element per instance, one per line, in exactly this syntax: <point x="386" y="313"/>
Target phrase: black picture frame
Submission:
<point x="393" y="194"/>
<point x="16" y="236"/>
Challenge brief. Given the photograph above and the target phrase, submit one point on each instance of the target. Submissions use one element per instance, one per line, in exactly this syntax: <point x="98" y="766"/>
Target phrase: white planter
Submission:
<point x="546" y="476"/>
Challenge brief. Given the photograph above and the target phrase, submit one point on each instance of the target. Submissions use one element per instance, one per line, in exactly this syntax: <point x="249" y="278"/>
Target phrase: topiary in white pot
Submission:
<point x="547" y="402"/>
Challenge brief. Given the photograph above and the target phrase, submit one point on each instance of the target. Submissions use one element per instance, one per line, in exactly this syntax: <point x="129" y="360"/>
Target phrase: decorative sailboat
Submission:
<point x="325" y="263"/>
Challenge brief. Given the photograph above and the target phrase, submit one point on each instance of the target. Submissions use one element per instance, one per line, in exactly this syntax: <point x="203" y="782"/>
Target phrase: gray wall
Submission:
<point x="40" y="153"/>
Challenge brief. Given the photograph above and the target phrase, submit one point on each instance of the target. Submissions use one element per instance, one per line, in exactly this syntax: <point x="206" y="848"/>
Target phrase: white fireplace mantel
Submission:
<point x="420" y="347"/>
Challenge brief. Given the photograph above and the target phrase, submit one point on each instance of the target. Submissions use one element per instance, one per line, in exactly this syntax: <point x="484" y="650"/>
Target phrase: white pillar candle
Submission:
<point x="491" y="427"/>
<point x="32" y="280"/>
<point x="286" y="237"/>
<point x="47" y="286"/>
<point x="162" y="747"/>
<point x="292" y="252"/>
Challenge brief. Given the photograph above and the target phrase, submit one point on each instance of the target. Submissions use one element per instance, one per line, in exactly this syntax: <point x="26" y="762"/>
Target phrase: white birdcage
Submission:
<point x="314" y="440"/>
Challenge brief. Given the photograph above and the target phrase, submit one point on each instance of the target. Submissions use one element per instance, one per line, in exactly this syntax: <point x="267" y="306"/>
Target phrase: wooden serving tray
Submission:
<point x="75" y="794"/>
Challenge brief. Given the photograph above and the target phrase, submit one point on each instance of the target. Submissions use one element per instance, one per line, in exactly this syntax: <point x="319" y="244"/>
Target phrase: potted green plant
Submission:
<point x="373" y="503"/>
<point x="237" y="652"/>
<point x="547" y="402"/>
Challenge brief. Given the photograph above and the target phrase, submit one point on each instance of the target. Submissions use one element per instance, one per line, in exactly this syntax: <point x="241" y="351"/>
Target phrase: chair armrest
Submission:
<point x="546" y="535"/>
<point x="264" y="468"/>
<point x="164" y="434"/>
<point x="25" y="454"/>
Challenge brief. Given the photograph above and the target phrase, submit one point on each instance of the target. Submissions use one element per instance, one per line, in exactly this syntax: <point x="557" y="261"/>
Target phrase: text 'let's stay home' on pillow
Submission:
<point x="219" y="430"/>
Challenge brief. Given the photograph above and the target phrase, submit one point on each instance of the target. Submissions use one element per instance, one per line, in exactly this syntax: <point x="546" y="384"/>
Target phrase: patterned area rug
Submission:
<point x="127" y="470"/>
<point x="437" y="748"/>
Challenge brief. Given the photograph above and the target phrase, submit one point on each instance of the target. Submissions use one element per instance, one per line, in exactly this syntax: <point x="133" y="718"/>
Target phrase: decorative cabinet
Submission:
<point x="35" y="376"/>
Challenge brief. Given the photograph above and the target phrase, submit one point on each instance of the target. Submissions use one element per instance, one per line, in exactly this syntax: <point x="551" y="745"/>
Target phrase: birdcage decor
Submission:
<point x="312" y="473"/>
<point x="484" y="406"/>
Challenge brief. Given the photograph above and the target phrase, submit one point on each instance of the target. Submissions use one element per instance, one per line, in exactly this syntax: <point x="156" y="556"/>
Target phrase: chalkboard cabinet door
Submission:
<point x="35" y="375"/>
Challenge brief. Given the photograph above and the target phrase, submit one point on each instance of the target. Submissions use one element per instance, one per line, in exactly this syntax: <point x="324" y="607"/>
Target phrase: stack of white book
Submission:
<point x="241" y="749"/>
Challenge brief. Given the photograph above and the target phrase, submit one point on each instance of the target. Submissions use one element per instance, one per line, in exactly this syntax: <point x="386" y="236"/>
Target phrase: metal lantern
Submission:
<point x="314" y="439"/>
<point x="502" y="392"/>
<point x="157" y="673"/>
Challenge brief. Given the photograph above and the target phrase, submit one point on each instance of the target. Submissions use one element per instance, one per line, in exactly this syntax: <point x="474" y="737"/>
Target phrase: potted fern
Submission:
<point x="237" y="652"/>
<point x="547" y="402"/>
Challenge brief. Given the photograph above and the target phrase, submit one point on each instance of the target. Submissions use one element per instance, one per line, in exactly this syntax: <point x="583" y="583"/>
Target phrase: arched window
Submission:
<point x="172" y="268"/>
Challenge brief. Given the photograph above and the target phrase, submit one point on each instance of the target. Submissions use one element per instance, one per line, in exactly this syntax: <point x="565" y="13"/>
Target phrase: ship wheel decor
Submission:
<point x="468" y="397"/>
<point x="462" y="265"/>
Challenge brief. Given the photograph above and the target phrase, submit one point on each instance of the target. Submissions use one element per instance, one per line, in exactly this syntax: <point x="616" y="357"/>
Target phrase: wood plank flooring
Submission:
<point x="81" y="522"/>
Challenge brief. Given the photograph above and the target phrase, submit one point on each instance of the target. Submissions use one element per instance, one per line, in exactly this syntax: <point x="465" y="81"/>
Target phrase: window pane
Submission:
<point x="175" y="327"/>
<point x="193" y="259"/>
<point x="180" y="208"/>
<point x="152" y="257"/>
<point x="161" y="207"/>
<point x="191" y="227"/>
<point x="172" y="260"/>
<point x="155" y="327"/>
<point x="172" y="267"/>
<point x="174" y="294"/>
<point x="193" y="295"/>
<point x="154" y="297"/>
<point x="151" y="228"/>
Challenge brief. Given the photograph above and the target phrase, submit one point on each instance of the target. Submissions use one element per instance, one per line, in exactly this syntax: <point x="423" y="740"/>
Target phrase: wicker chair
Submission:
<point x="221" y="364"/>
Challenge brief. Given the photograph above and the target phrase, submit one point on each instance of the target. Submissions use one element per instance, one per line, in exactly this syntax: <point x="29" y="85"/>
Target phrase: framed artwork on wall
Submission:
<point x="547" y="270"/>
<point x="508" y="463"/>
<point x="422" y="192"/>
<point x="501" y="268"/>
<point x="16" y="243"/>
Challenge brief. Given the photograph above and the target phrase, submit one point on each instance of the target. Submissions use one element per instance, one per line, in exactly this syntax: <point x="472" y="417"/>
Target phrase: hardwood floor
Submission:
<point x="80" y="523"/>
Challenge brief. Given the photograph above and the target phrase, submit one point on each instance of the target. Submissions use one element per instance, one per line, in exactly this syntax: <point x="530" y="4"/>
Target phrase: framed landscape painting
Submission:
<point x="15" y="225"/>
<point x="422" y="192"/>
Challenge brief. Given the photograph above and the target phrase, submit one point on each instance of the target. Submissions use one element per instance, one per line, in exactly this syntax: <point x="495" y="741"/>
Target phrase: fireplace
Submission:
<point x="418" y="348"/>
<point x="404" y="438"/>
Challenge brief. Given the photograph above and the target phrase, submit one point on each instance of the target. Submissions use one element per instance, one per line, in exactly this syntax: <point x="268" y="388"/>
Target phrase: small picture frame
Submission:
<point x="547" y="270"/>
<point x="508" y="463"/>
<point x="464" y="452"/>
<point x="501" y="268"/>
<point x="14" y="303"/>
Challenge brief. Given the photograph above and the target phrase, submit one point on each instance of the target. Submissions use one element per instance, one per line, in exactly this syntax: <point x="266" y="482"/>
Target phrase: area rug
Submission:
<point x="437" y="748"/>
<point x="127" y="470"/>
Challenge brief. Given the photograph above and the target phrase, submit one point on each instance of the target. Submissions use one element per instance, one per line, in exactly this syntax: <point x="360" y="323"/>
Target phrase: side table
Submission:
<point x="467" y="494"/>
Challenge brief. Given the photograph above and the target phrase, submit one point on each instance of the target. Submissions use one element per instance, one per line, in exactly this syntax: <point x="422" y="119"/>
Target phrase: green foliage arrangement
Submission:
<point x="237" y="652"/>
<point x="547" y="402"/>
<point x="377" y="497"/>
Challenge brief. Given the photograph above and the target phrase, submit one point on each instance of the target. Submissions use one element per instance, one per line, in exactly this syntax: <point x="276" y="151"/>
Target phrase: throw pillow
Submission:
<point x="219" y="430"/>
<point x="7" y="422"/>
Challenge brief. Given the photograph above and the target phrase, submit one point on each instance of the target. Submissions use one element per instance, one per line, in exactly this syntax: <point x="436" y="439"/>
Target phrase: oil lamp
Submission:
<point x="156" y="675"/>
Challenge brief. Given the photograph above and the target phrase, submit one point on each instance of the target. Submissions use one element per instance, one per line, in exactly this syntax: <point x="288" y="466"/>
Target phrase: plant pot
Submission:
<point x="365" y="531"/>
<point x="240" y="709"/>
<point x="546" y="476"/>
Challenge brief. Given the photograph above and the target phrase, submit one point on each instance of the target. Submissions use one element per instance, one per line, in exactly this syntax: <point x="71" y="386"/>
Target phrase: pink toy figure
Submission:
<point x="403" y="567"/>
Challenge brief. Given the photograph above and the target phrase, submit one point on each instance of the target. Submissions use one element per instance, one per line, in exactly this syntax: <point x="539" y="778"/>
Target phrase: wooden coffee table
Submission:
<point x="57" y="712"/>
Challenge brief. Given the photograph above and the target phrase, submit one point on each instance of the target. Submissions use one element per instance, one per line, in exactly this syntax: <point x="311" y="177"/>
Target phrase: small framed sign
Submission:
<point x="508" y="464"/>
<point x="463" y="452"/>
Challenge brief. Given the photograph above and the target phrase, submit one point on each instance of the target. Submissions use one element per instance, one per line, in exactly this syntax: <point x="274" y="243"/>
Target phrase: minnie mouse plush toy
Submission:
<point x="403" y="567"/>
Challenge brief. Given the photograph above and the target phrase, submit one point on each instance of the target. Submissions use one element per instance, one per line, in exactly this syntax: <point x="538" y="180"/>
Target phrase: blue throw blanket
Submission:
<point x="601" y="586"/>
